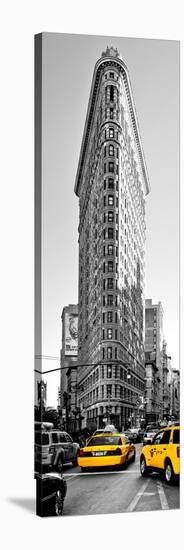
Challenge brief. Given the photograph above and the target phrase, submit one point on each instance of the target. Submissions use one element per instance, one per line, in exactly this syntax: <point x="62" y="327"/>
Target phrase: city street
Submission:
<point x="103" y="492"/>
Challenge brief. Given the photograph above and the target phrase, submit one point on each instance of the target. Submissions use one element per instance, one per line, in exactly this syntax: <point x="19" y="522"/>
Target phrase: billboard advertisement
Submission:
<point x="71" y="334"/>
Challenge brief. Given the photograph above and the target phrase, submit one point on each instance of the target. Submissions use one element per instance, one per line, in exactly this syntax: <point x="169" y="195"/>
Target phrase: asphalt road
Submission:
<point x="103" y="492"/>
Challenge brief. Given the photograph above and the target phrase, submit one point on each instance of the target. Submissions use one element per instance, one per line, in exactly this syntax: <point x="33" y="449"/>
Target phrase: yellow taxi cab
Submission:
<point x="162" y="454"/>
<point x="106" y="449"/>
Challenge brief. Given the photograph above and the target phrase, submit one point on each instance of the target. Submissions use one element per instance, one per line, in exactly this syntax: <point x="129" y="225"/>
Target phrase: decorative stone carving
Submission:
<point x="113" y="52"/>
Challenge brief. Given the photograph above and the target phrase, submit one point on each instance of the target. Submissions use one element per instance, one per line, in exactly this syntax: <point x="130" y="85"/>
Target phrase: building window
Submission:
<point x="104" y="168"/>
<point x="111" y="132"/>
<point x="110" y="267"/>
<point x="109" y="371"/>
<point x="110" y="232"/>
<point x="109" y="283"/>
<point x="105" y="151"/>
<point x="111" y="167"/>
<point x="116" y="371"/>
<point x="109" y="353"/>
<point x="111" y="93"/>
<point x="110" y="300"/>
<point x="102" y="371"/>
<point x="111" y="150"/>
<point x="104" y="185"/>
<point x="105" y="201"/>
<point x="109" y="390"/>
<point x="111" y="113"/>
<point x="110" y="183"/>
<point x="103" y="300"/>
<point x="110" y="249"/>
<point x="111" y="75"/>
<point x="102" y="392"/>
<point x="109" y="317"/>
<point x="110" y="200"/>
<point x="110" y="216"/>
<point x="109" y="333"/>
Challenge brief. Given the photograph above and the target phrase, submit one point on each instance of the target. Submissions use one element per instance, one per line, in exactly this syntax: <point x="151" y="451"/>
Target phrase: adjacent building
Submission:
<point x="112" y="185"/>
<point x="175" y="394"/>
<point x="153" y="360"/>
<point x="68" y="360"/>
<point x="166" y="370"/>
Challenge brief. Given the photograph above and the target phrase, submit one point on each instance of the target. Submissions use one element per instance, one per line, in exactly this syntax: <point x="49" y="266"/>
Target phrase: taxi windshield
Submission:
<point x="104" y="440"/>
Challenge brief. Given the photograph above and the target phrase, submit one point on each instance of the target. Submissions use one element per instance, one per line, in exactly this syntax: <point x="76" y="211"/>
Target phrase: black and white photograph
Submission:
<point x="107" y="214"/>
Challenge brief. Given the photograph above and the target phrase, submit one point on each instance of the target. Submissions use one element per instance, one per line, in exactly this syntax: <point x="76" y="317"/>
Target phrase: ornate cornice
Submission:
<point x="110" y="58"/>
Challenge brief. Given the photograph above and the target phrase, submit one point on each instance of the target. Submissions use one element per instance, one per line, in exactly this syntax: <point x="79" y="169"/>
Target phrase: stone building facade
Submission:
<point x="154" y="345"/>
<point x="166" y="369"/>
<point x="68" y="359"/>
<point x="175" y="394"/>
<point x="112" y="185"/>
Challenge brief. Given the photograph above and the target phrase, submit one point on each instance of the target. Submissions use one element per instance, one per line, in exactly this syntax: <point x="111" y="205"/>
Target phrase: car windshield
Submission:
<point x="104" y="440"/>
<point x="41" y="438"/>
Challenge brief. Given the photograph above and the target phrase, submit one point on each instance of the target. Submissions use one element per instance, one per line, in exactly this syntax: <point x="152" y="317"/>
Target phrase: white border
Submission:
<point x="20" y="21"/>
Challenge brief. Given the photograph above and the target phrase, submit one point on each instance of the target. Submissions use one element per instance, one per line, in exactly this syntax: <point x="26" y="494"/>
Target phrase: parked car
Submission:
<point x="53" y="448"/>
<point x="106" y="450"/>
<point x="162" y="454"/>
<point x="50" y="494"/>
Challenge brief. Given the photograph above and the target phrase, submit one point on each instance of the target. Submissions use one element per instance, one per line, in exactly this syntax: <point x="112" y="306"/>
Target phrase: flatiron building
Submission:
<point x="111" y="184"/>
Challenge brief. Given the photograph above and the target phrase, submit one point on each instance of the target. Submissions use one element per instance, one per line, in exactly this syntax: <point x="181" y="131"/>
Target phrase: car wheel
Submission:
<point x="143" y="467"/>
<point x="59" y="501"/>
<point x="60" y="464"/>
<point x="168" y="472"/>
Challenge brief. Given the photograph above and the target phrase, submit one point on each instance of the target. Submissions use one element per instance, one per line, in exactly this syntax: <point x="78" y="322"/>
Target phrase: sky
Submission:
<point x="68" y="64"/>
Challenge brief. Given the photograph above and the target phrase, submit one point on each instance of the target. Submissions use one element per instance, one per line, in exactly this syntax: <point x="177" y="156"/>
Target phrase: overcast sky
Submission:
<point x="68" y="64"/>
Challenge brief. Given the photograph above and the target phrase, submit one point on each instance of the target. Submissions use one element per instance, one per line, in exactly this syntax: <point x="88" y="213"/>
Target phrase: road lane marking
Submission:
<point x="137" y="497"/>
<point x="146" y="494"/>
<point x="100" y="473"/>
<point x="70" y="475"/>
<point x="162" y="495"/>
